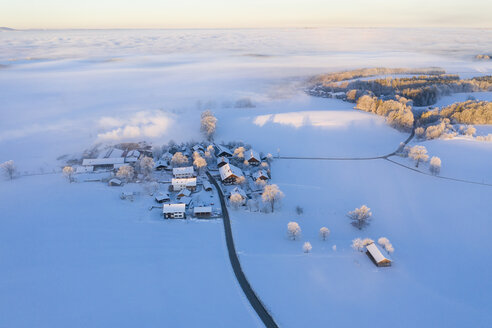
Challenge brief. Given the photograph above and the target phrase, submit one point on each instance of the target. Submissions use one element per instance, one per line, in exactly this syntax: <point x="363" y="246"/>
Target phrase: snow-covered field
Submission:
<point x="77" y="255"/>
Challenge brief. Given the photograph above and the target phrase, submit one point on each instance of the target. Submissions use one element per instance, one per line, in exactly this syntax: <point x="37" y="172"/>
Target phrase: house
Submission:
<point x="103" y="163"/>
<point x="115" y="152"/>
<point x="84" y="169"/>
<point x="132" y="156"/>
<point x="261" y="174"/>
<point x="252" y="157"/>
<point x="174" y="211"/>
<point x="184" y="172"/>
<point x="161" y="165"/>
<point x="240" y="191"/>
<point x="221" y="161"/>
<point x="162" y="197"/>
<point x="207" y="186"/>
<point x="230" y="173"/>
<point x="376" y="256"/>
<point x="185" y="200"/>
<point x="183" y="193"/>
<point x="222" y="151"/>
<point x="202" y="211"/>
<point x="115" y="182"/>
<point x="167" y="156"/>
<point x="198" y="147"/>
<point x="188" y="183"/>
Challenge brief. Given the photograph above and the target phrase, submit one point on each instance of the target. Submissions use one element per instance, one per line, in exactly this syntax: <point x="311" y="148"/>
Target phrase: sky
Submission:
<point x="59" y="14"/>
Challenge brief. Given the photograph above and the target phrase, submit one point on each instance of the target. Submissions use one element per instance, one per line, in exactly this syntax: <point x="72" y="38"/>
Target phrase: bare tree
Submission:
<point x="9" y="169"/>
<point x="179" y="159"/>
<point x="360" y="216"/>
<point x="146" y="166"/>
<point x="293" y="230"/>
<point x="68" y="173"/>
<point x="435" y="165"/>
<point x="299" y="210"/>
<point x="307" y="247"/>
<point x="126" y="172"/>
<point x="324" y="232"/>
<point x="272" y="195"/>
<point x="208" y="124"/>
<point x="418" y="154"/>
<point x="357" y="244"/>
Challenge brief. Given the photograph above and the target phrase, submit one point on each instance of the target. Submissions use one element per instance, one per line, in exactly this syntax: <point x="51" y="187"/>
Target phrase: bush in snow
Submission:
<point x="418" y="154"/>
<point x="435" y="165"/>
<point x="68" y="173"/>
<point x="125" y="172"/>
<point x="9" y="169"/>
<point x="470" y="130"/>
<point x="236" y="200"/>
<point x="294" y="230"/>
<point x="146" y="166"/>
<point x="272" y="195"/>
<point x="324" y="232"/>
<point x="307" y="247"/>
<point x="179" y="159"/>
<point x="360" y="216"/>
<point x="208" y="124"/>
<point x="357" y="244"/>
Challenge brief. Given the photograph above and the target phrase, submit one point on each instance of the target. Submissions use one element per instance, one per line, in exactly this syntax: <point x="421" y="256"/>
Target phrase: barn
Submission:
<point x="376" y="256"/>
<point x="103" y="163"/>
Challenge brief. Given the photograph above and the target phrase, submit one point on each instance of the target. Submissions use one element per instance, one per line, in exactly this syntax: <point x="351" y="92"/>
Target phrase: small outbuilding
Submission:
<point x="376" y="256"/>
<point x="184" y="193"/>
<point x="207" y="186"/>
<point x="174" y="211"/>
<point x="162" y="197"/>
<point x="115" y="182"/>
<point x="202" y="211"/>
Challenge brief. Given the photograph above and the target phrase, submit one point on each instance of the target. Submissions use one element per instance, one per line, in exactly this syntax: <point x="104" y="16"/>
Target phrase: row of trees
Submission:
<point x="358" y="244"/>
<point x="419" y="155"/>
<point x="398" y="113"/>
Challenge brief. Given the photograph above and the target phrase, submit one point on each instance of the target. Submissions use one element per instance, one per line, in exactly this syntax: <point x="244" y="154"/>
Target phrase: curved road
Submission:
<point x="253" y="299"/>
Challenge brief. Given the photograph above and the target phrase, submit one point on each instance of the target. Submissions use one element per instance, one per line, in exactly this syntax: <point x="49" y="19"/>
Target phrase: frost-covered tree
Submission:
<point x="293" y="230"/>
<point x="418" y="154"/>
<point x="236" y="200"/>
<point x="199" y="163"/>
<point x="360" y="216"/>
<point x="68" y="173"/>
<point x="9" y="169"/>
<point x="260" y="183"/>
<point x="179" y="159"/>
<point x="252" y="205"/>
<point x="307" y="247"/>
<point x="272" y="195"/>
<point x="389" y="248"/>
<point x="126" y="172"/>
<point x="358" y="244"/>
<point x="146" y="166"/>
<point x="367" y="241"/>
<point x="470" y="130"/>
<point x="420" y="132"/>
<point x="383" y="241"/>
<point x="208" y="124"/>
<point x="151" y="188"/>
<point x="324" y="232"/>
<point x="239" y="152"/>
<point x="240" y="180"/>
<point x="435" y="165"/>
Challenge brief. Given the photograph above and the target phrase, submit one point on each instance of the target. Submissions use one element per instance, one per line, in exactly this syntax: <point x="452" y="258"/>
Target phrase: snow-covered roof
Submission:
<point x="188" y="182"/>
<point x="238" y="190"/>
<point x="185" y="200"/>
<point x="103" y="161"/>
<point x="223" y="149"/>
<point x="84" y="169"/>
<point x="198" y="147"/>
<point x="222" y="159"/>
<point x="251" y="154"/>
<point x="133" y="153"/>
<point x="260" y="174"/>
<point x="115" y="152"/>
<point x="173" y="208"/>
<point x="229" y="170"/>
<point x="202" y="209"/>
<point x="161" y="196"/>
<point x="184" y="193"/>
<point x="376" y="253"/>
<point x="183" y="170"/>
<point x="115" y="181"/>
<point x="206" y="185"/>
<point x="167" y="156"/>
<point x="161" y="163"/>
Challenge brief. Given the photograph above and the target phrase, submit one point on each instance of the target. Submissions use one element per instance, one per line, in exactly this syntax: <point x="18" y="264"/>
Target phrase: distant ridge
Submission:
<point x="6" y="29"/>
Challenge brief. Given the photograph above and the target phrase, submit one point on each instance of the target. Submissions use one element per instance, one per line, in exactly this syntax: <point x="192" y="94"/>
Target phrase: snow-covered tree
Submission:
<point x="68" y="172"/>
<point x="151" y="188"/>
<point x="418" y="154"/>
<point x="367" y="241"/>
<point x="383" y="241"/>
<point x="9" y="169"/>
<point x="435" y="165"/>
<point x="199" y="163"/>
<point x="239" y="152"/>
<point x="307" y="247"/>
<point x="236" y="200"/>
<point x="420" y="132"/>
<point x="334" y="248"/>
<point x="125" y="172"/>
<point x="260" y="183"/>
<point x="389" y="248"/>
<point x="324" y="232"/>
<point x="252" y="205"/>
<point x="272" y="195"/>
<point x="357" y="244"/>
<point x="269" y="158"/>
<point x="470" y="130"/>
<point x="146" y="166"/>
<point x="360" y="216"/>
<point x="208" y="124"/>
<point x="179" y="159"/>
<point x="294" y="230"/>
<point x="240" y="180"/>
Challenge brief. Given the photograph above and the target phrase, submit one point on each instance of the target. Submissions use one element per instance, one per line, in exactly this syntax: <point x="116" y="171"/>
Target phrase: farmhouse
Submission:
<point x="221" y="161"/>
<point x="174" y="211"/>
<point x="207" y="186"/>
<point x="180" y="184"/>
<point x="252" y="157"/>
<point x="230" y="173"/>
<point x="104" y="163"/>
<point x="222" y="151"/>
<point x="261" y="174"/>
<point x="184" y="172"/>
<point x="115" y="182"/>
<point x="376" y="256"/>
<point x="162" y="197"/>
<point x="202" y="211"/>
